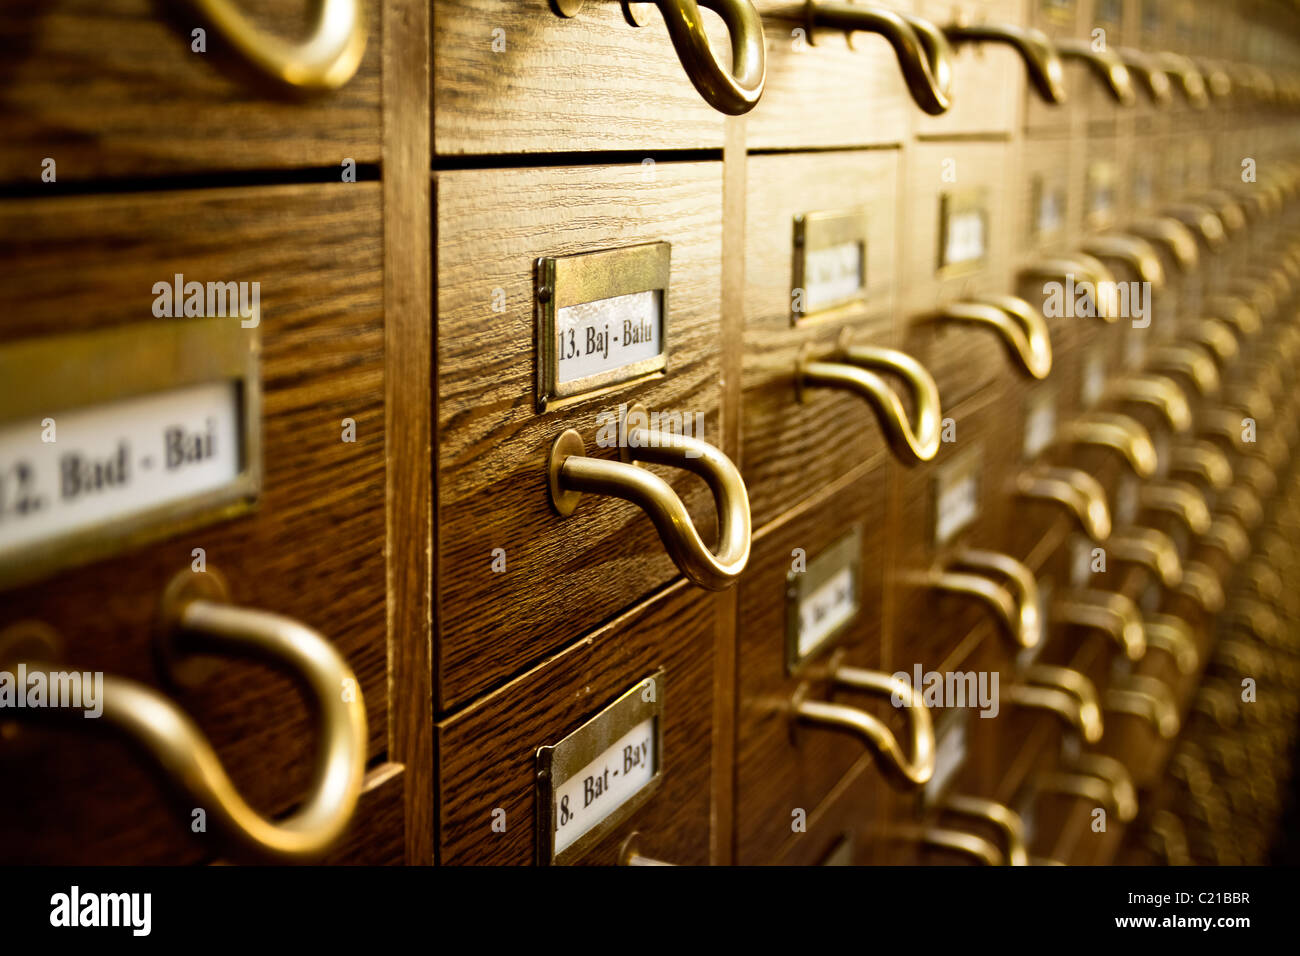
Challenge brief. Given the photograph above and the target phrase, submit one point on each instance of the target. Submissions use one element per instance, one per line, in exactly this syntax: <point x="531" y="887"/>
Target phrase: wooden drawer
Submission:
<point x="784" y="766"/>
<point x="113" y="89"/>
<point x="311" y="550"/>
<point x="562" y="576"/>
<point x="487" y="765"/>
<point x="830" y="88"/>
<point x="522" y="79"/>
<point x="988" y="79"/>
<point x="844" y="829"/>
<point x="789" y="449"/>
<point x="968" y="179"/>
<point x="1059" y="19"/>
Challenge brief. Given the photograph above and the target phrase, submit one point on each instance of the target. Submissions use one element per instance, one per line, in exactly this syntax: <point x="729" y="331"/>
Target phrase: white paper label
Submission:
<point x="1081" y="550"/>
<point x="949" y="755"/>
<point x="1094" y="380"/>
<point x="116" y="460"/>
<point x="826" y="608"/>
<point x="833" y="274"/>
<point x="605" y="784"/>
<point x="964" y="239"/>
<point x="1040" y="425"/>
<point x="1051" y="212"/>
<point x="1127" y="497"/>
<point x="958" y="505"/>
<point x="601" y="336"/>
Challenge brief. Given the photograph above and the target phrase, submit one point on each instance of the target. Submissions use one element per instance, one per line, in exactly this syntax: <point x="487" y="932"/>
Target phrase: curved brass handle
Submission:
<point x="167" y="734"/>
<point x="1154" y="79"/>
<point x="1170" y="634"/>
<point x="1229" y="537"/>
<point x="1147" y="698"/>
<point x="1221" y="423"/>
<point x="1174" y="235"/>
<point x="1158" y="391"/>
<point x="1180" y="499"/>
<point x="1022" y="327"/>
<point x="326" y="60"/>
<point x="733" y="91"/>
<point x="1237" y="312"/>
<point x="1091" y="270"/>
<point x="1077" y="491"/>
<point x="1016" y="608"/>
<point x="1138" y="254"/>
<point x="1241" y="505"/>
<point x="1106" y="64"/>
<point x="1202" y="586"/>
<point x="1064" y="692"/>
<point x="923" y="52"/>
<point x="1117" y="432"/>
<point x="1151" y="549"/>
<point x="1267" y="582"/>
<point x="1255" y="475"/>
<point x="1202" y="220"/>
<point x="1218" y="82"/>
<point x="571" y="472"/>
<point x="1001" y="816"/>
<point x="1229" y="208"/>
<point x="1213" y="335"/>
<point x="911" y="442"/>
<point x="1113" y="614"/>
<point x="913" y="772"/>
<point x="942" y="838"/>
<point x="1042" y="64"/>
<point x="1100" y="779"/>
<point x="1189" y="79"/>
<point x="1193" y="361"/>
<point x="1203" y="460"/>
<point x="1259" y="620"/>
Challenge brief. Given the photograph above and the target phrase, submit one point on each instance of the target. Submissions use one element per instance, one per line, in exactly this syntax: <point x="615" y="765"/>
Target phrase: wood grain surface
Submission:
<point x="314" y="549"/>
<point x="111" y="89"/>
<point x="564" y="576"/>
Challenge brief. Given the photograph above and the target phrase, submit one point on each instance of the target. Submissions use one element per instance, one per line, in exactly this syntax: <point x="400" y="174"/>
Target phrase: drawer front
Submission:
<point x="844" y="830"/>
<point x="1058" y="19"/>
<point x="520" y="78"/>
<point x="792" y="447"/>
<point x="313" y="547"/>
<point x="85" y="84"/>
<point x="827" y="88"/>
<point x="487" y="766"/>
<point x="517" y="581"/>
<point x="988" y="79"/>
<point x="969" y="180"/>
<point x="805" y="574"/>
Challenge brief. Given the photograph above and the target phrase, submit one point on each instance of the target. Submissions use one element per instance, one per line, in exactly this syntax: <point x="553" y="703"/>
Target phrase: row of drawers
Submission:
<point x="84" y="94"/>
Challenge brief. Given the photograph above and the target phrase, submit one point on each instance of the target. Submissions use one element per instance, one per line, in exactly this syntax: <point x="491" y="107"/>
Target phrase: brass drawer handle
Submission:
<point x="1042" y="64"/>
<point x="1003" y="817"/>
<point x="924" y="54"/>
<point x="1077" y="491"/>
<point x="1113" y="614"/>
<point x="1190" y="81"/>
<point x="1152" y="549"/>
<point x="326" y="60"/>
<point x="1144" y="697"/>
<point x="732" y="92"/>
<point x="1155" y="81"/>
<point x="1180" y="499"/>
<point x="1159" y="392"/>
<point x="1106" y="784"/>
<point x="1227" y="535"/>
<point x="1204" y="222"/>
<point x="1175" y="235"/>
<point x="1064" y="692"/>
<point x="1022" y="327"/>
<point x="1202" y="586"/>
<point x="1216" y="335"/>
<point x="1170" y="634"/>
<point x="1087" y="268"/>
<point x="1136" y="253"/>
<point x="1202" y="460"/>
<point x="981" y="850"/>
<point x="1120" y="433"/>
<point x="1238" y="312"/>
<point x="856" y="370"/>
<point x="1106" y="64"/>
<point x="1016" y="607"/>
<point x="571" y="472"/>
<point x="915" y="771"/>
<point x="197" y="621"/>
<point x="1192" y="361"/>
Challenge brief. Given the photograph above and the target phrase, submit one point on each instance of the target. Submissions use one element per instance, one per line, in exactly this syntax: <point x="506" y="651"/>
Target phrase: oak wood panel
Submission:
<point x="409" y="417"/>
<point x="563" y="576"/>
<point x="487" y="752"/>
<point x="314" y="549"/>
<point x="376" y="837"/>
<point x="848" y="813"/>
<point x="827" y="89"/>
<point x="988" y="79"/>
<point x="783" y="766"/>
<point x="791" y="448"/>
<point x="963" y="358"/>
<point x="112" y="89"/>
<point x="547" y="83"/>
<point x="1058" y="19"/>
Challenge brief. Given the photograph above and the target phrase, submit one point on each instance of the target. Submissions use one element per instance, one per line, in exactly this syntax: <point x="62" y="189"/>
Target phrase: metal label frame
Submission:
<point x="1060" y="12"/>
<point x="814" y="231"/>
<point x="954" y="202"/>
<point x="579" y="748"/>
<point x="563" y="281"/>
<point x="953" y="472"/>
<point x="956" y="720"/>
<point x="1039" y="190"/>
<point x="844" y="552"/>
<point x="82" y="370"/>
<point x="1101" y="174"/>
